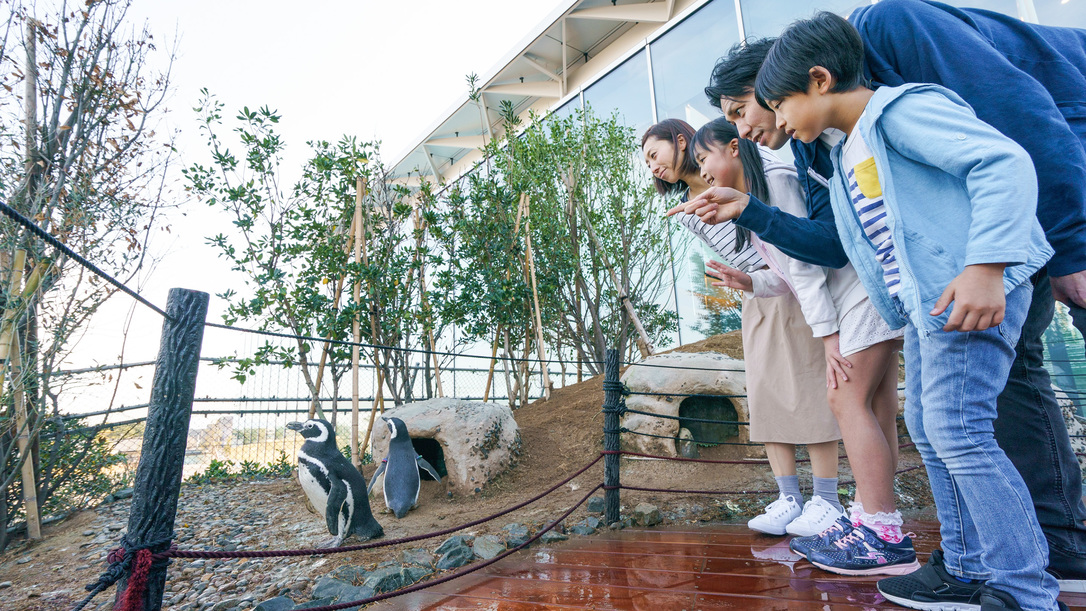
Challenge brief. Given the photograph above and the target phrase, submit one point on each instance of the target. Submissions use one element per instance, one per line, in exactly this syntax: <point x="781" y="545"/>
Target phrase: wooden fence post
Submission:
<point x="612" y="404"/>
<point x="158" y="476"/>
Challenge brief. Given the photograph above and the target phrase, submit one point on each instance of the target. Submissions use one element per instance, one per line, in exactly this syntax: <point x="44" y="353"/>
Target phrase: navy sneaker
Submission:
<point x="862" y="552"/>
<point x="804" y="545"/>
<point x="932" y="588"/>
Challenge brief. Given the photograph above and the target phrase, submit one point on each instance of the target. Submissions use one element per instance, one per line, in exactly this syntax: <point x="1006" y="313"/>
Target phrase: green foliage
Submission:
<point x="583" y="176"/>
<point x="293" y="247"/>
<point x="86" y="465"/>
<point x="221" y="470"/>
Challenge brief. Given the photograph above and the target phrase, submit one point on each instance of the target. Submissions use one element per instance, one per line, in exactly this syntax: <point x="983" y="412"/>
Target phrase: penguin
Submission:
<point x="401" y="468"/>
<point x="333" y="485"/>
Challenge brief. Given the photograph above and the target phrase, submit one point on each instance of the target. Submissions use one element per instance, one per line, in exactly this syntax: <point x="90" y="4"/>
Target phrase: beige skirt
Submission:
<point x="786" y="374"/>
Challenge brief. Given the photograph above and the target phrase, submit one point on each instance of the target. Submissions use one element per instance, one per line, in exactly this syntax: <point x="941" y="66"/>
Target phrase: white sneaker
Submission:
<point x="817" y="516"/>
<point x="776" y="517"/>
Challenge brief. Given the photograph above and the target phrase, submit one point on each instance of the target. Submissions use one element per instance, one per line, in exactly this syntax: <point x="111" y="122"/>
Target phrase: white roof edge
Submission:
<point x="533" y="35"/>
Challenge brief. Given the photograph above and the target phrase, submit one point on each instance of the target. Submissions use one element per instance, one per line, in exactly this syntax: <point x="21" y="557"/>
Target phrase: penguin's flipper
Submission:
<point x="429" y="469"/>
<point x="336" y="496"/>
<point x="373" y="480"/>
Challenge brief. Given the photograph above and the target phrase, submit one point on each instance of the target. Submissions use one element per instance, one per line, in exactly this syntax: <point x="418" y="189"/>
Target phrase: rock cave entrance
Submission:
<point x="433" y="453"/>
<point x="708" y="408"/>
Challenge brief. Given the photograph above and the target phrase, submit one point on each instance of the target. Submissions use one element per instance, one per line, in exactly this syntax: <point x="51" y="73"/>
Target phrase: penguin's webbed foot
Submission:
<point x="333" y="542"/>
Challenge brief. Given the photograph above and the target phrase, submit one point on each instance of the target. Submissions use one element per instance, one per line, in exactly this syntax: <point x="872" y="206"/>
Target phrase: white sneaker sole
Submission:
<point x="912" y="604"/>
<point x="1073" y="585"/>
<point x="767" y="530"/>
<point x="895" y="569"/>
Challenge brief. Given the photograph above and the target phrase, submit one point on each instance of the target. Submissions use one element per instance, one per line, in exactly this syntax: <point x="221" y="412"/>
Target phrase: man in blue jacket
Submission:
<point x="1029" y="82"/>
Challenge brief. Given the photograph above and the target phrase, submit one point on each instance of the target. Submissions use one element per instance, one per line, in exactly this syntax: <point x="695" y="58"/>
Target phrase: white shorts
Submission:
<point x="862" y="327"/>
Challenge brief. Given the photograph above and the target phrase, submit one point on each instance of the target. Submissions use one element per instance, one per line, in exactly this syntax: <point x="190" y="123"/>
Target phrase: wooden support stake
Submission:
<point x="547" y="385"/>
<point x="493" y="356"/>
<point x="498" y="331"/>
<point x="30" y="485"/>
<point x="162" y="460"/>
<point x="420" y="226"/>
<point x="315" y="406"/>
<point x="643" y="344"/>
<point x="379" y="396"/>
<point x="356" y="332"/>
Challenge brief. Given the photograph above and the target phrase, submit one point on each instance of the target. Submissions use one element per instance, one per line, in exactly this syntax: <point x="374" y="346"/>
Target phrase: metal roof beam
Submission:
<point x="538" y="89"/>
<point x="538" y="66"/>
<point x="433" y="167"/>
<point x="463" y="142"/>
<point x="654" y="13"/>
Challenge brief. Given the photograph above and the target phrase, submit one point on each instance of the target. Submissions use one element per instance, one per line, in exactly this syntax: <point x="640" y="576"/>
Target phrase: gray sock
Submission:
<point x="789" y="485"/>
<point x="826" y="487"/>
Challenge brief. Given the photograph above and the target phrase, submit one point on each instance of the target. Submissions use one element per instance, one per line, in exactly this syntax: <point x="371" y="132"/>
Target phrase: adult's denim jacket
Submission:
<point x="957" y="193"/>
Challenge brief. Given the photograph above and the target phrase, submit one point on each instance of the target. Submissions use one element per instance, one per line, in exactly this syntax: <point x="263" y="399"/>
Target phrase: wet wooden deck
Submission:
<point x="664" y="569"/>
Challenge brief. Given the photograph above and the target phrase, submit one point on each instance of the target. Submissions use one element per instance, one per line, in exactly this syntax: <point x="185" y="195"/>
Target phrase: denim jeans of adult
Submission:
<point x="986" y="519"/>
<point x="1031" y="430"/>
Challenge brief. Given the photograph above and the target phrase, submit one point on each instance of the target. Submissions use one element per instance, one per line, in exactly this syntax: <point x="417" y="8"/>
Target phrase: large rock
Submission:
<point x="479" y="440"/>
<point x="696" y="373"/>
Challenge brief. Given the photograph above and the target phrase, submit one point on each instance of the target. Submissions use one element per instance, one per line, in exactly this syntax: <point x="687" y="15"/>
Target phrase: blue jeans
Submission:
<point x="1031" y="430"/>
<point x="988" y="526"/>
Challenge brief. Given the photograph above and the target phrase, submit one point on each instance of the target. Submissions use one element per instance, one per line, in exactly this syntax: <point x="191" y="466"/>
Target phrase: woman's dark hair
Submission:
<point x="734" y="74"/>
<point x="719" y="133"/>
<point x="669" y="130"/>
<point x="826" y="40"/>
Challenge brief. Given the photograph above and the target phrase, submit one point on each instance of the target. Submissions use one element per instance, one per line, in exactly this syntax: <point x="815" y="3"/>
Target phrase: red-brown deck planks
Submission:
<point x="723" y="566"/>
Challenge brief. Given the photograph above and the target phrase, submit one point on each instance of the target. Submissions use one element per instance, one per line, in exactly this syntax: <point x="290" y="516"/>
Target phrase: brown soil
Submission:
<point x="559" y="437"/>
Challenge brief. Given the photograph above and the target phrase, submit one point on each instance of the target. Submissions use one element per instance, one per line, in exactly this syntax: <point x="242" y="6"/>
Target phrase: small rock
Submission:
<point x="123" y="493"/>
<point x="319" y="602"/>
<point x="550" y="537"/>
<point x="488" y="546"/>
<point x="350" y="574"/>
<point x="384" y="580"/>
<point x="88" y="533"/>
<point x="616" y="526"/>
<point x="419" y="557"/>
<point x="515" y="534"/>
<point x="581" y="529"/>
<point x="591" y="522"/>
<point x="458" y="556"/>
<point x="596" y="505"/>
<point x="23" y="560"/>
<point x="646" y="515"/>
<point x="5" y="584"/>
<point x="453" y="542"/>
<point x="412" y="574"/>
<point x="226" y="604"/>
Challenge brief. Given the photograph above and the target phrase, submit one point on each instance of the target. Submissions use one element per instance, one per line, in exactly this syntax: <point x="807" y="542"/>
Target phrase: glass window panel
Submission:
<point x="683" y="59"/>
<point x="763" y="18"/>
<point x="1065" y="13"/>
<point x="567" y="109"/>
<point x="625" y="90"/>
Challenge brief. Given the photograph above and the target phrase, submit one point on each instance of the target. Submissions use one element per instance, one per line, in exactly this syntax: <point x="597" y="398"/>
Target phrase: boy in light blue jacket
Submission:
<point x="937" y="212"/>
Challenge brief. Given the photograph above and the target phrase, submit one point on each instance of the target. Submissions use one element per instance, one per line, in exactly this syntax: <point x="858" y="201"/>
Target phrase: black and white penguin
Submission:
<point x="333" y="485"/>
<point x="401" y="470"/>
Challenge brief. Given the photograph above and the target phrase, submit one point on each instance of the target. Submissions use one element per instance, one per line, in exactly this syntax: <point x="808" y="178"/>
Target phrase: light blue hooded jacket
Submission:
<point x="957" y="193"/>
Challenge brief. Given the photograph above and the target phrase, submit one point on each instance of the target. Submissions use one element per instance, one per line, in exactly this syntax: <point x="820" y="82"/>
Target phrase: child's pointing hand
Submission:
<point x="715" y="205"/>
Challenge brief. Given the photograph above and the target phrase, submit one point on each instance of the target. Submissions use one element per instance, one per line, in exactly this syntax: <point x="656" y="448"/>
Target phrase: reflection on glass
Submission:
<point x="1065" y="13"/>
<point x="762" y="18"/>
<point x="1065" y="359"/>
<point x="682" y="61"/>
<point x="568" y="108"/>
<point x="625" y="90"/>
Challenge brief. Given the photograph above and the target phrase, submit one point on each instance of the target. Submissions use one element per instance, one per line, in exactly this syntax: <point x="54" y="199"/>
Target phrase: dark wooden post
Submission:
<point x="612" y="403"/>
<point x="158" y="476"/>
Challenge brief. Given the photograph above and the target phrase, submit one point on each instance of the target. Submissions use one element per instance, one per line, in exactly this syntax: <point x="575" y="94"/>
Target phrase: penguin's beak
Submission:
<point x="294" y="426"/>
